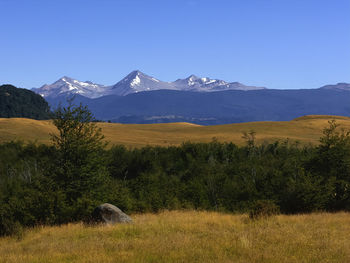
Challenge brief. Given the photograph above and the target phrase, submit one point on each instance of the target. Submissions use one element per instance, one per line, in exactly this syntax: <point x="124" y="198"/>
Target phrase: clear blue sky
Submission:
<point x="283" y="44"/>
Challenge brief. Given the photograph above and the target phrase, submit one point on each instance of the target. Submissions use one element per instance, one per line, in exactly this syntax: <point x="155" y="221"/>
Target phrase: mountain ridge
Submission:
<point x="135" y="82"/>
<point x="338" y="86"/>
<point x="69" y="86"/>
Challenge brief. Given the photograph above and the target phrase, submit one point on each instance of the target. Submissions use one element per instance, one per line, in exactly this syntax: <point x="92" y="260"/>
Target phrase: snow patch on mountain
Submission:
<point x="135" y="81"/>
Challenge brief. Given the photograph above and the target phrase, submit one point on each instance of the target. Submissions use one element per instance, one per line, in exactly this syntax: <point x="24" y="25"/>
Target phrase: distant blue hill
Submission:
<point x="221" y="107"/>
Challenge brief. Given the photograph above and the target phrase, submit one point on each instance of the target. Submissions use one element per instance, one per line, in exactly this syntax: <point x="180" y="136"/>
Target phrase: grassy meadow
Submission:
<point x="306" y="129"/>
<point x="189" y="236"/>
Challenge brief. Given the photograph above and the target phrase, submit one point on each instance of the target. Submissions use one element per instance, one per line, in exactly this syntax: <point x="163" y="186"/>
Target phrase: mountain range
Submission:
<point x="136" y="82"/>
<point x="139" y="98"/>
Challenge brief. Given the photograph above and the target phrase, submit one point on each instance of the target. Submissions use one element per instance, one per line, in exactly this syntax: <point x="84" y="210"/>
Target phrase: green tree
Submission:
<point x="332" y="163"/>
<point x="80" y="170"/>
<point x="333" y="154"/>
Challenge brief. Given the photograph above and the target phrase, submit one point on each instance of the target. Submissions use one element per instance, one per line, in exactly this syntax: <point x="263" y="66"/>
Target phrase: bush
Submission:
<point x="9" y="227"/>
<point x="263" y="209"/>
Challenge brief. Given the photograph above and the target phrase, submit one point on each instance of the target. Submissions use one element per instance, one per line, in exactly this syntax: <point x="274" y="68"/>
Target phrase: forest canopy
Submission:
<point x="22" y="103"/>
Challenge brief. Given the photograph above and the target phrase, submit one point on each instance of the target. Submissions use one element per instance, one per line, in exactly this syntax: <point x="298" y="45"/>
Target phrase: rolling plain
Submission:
<point x="305" y="130"/>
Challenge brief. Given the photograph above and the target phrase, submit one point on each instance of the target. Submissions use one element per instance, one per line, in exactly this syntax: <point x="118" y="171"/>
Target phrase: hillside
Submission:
<point x="305" y="129"/>
<point x="189" y="236"/>
<point x="214" y="108"/>
<point x="15" y="102"/>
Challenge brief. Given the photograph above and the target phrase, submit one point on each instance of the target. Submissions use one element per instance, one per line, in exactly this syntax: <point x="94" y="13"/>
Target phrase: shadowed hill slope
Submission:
<point x="215" y="108"/>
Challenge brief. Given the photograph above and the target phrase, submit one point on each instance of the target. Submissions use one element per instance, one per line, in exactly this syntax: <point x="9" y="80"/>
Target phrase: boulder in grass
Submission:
<point x="109" y="214"/>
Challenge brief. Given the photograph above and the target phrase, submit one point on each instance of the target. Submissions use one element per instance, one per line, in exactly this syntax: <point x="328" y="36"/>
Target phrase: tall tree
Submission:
<point x="81" y="172"/>
<point x="332" y="163"/>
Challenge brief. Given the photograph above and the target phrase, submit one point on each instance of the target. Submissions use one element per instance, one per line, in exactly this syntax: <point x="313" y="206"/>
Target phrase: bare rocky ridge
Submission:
<point x="338" y="86"/>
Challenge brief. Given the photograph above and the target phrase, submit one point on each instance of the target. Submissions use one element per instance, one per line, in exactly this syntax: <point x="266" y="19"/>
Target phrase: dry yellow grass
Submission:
<point x="305" y="129"/>
<point x="189" y="236"/>
<point x="25" y="129"/>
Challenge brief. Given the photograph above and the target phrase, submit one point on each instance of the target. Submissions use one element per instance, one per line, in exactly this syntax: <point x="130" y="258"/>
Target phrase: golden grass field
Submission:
<point x="306" y="129"/>
<point x="189" y="236"/>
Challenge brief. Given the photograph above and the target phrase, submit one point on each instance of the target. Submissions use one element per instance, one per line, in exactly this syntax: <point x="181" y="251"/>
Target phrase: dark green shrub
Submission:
<point x="10" y="227"/>
<point x="263" y="209"/>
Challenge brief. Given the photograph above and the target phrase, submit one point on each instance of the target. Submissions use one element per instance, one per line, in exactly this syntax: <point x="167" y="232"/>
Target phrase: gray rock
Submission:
<point x="109" y="214"/>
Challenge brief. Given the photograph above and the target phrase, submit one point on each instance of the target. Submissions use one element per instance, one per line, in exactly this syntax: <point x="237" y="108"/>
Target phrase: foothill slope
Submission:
<point x="305" y="130"/>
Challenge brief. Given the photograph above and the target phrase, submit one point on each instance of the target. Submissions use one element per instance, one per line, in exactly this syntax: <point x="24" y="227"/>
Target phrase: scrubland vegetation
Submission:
<point x="189" y="236"/>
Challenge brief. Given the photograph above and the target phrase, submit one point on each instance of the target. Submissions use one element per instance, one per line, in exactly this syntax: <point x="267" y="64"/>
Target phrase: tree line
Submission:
<point x="65" y="181"/>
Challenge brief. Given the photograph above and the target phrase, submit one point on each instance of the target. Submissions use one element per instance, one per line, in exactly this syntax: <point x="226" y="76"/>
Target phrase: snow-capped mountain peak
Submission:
<point x="135" y="82"/>
<point x="70" y="86"/>
<point x="203" y="84"/>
